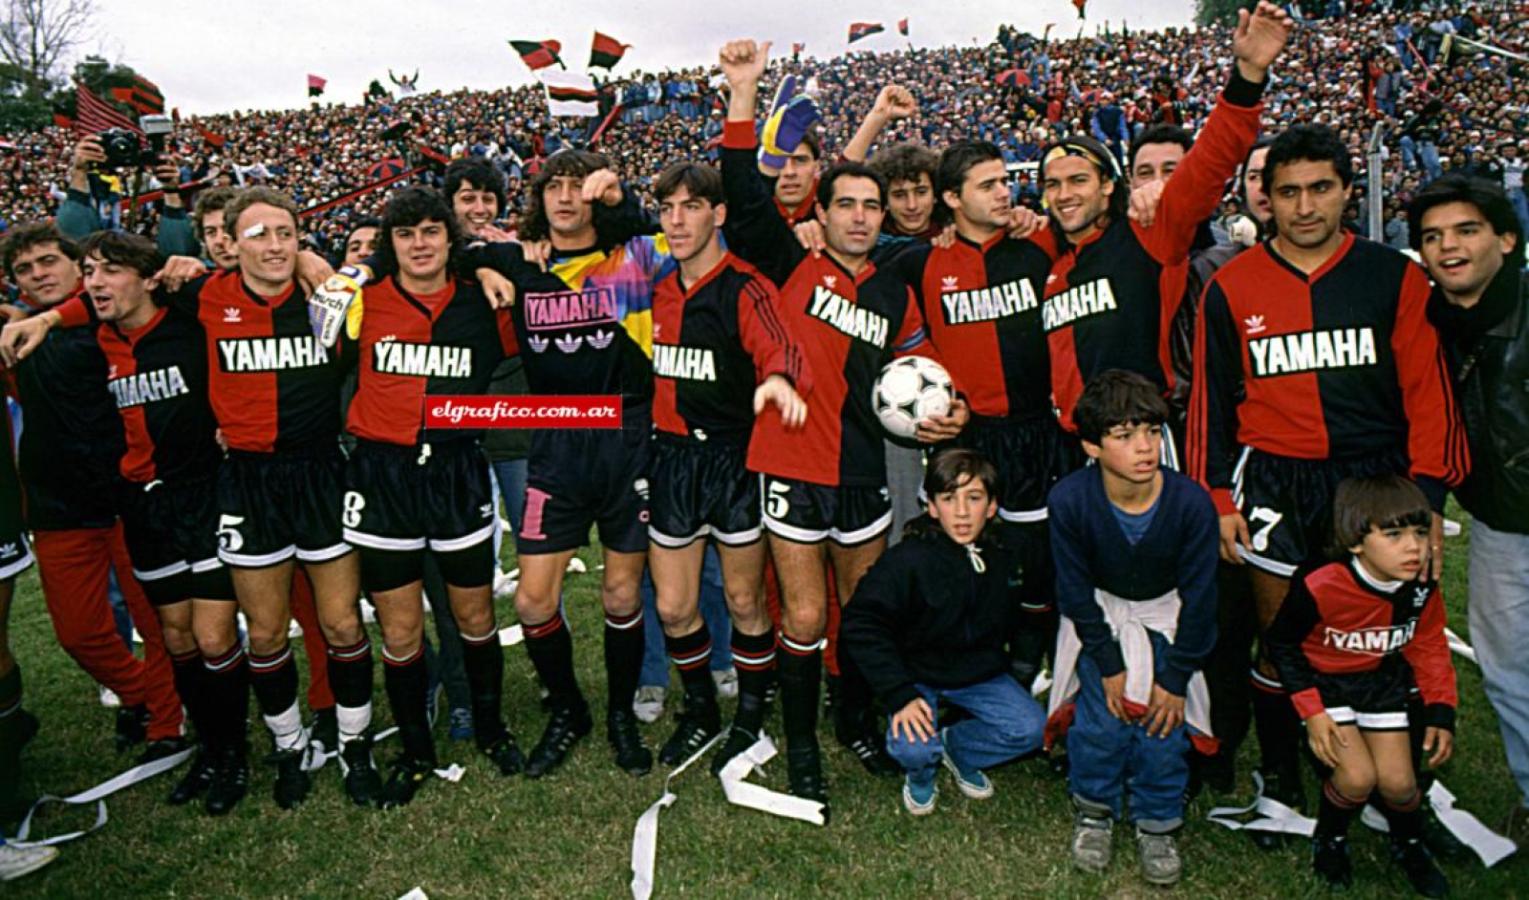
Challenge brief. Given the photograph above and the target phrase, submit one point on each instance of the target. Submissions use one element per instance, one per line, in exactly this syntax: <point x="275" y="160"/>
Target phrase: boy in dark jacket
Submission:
<point x="927" y="625"/>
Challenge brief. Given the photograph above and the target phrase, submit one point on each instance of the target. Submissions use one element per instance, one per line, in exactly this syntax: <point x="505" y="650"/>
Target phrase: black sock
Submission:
<point x="10" y="740"/>
<point x="853" y="716"/>
<point x="483" y="658"/>
<point x="187" y="670"/>
<point x="801" y="668"/>
<point x="551" y="650"/>
<point x="1279" y="730"/>
<point x="226" y="693"/>
<point x="274" y="679"/>
<point x="691" y="654"/>
<point x="754" y="658"/>
<point x="350" y="679"/>
<point x="624" y="645"/>
<point x="1335" y="811"/>
<point x="408" y="686"/>
<point x="1405" y="818"/>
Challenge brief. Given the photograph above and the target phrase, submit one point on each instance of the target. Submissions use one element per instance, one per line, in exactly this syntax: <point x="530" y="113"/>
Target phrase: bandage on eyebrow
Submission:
<point x="254" y="231"/>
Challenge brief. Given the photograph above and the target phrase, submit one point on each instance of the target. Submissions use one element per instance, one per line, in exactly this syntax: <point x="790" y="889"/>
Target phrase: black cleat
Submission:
<point x="872" y="753"/>
<point x="699" y="722"/>
<point x="132" y="727"/>
<point x="747" y="723"/>
<point x="567" y="727"/>
<point x="632" y="756"/>
<point x="363" y="783"/>
<point x="1421" y="871"/>
<point x="326" y="729"/>
<point x="505" y="754"/>
<point x="1442" y="842"/>
<point x="804" y="772"/>
<point x="230" y="782"/>
<point x="1329" y="859"/>
<point x="195" y="781"/>
<point x="408" y="776"/>
<point x="162" y="748"/>
<point x="738" y="741"/>
<point x="292" y="781"/>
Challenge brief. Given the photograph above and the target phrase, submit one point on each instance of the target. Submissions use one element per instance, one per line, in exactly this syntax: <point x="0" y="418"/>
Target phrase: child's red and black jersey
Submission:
<point x="713" y="342"/>
<point x="273" y="386"/>
<point x="72" y="442"/>
<point x="1110" y="299"/>
<point x="1335" y="621"/>
<point x="414" y="346"/>
<point x="157" y="378"/>
<point x="1338" y="364"/>
<point x="981" y="303"/>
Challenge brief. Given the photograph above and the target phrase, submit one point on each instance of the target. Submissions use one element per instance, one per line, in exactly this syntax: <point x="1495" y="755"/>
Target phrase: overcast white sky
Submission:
<point x="255" y="54"/>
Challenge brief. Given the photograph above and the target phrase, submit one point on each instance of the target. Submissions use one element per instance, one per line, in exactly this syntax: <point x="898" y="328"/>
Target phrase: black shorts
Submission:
<point x="1288" y="503"/>
<point x="399" y="501"/>
<point x="1030" y="454"/>
<point x="1035" y="583"/>
<point x="171" y="531"/>
<point x="701" y="489"/>
<point x="810" y="513"/>
<point x="274" y="506"/>
<point x="576" y="478"/>
<point x="1376" y="700"/>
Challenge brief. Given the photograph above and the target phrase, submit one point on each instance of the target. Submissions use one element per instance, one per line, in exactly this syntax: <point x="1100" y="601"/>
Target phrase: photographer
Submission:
<point x="79" y="213"/>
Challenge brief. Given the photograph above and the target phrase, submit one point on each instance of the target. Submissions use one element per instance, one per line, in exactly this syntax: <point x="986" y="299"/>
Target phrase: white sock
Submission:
<point x="353" y="721"/>
<point x="287" y="729"/>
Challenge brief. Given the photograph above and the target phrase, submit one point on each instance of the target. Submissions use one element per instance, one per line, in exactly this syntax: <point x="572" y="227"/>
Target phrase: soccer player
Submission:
<point x="68" y="457"/>
<point x="17" y="726"/>
<point x="721" y="354"/>
<point x="1116" y="284"/>
<point x="411" y="488"/>
<point x="824" y="487"/>
<point x="1314" y="362"/>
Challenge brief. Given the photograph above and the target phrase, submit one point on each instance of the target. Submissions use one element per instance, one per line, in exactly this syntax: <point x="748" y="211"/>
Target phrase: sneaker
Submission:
<point x="162" y="748"/>
<point x="872" y="753"/>
<point x="132" y="726"/>
<point x="461" y="720"/>
<point x="229" y="783"/>
<point x="1158" y="855"/>
<point x="971" y="781"/>
<point x="194" y="782"/>
<point x="18" y="861"/>
<point x="1329" y="859"/>
<point x="648" y="705"/>
<point x="109" y="698"/>
<point x="632" y="756"/>
<point x="1421" y="871"/>
<point x="326" y="729"/>
<point x="804" y="773"/>
<point x="505" y="755"/>
<point x="918" y="799"/>
<point x="363" y="783"/>
<point x="567" y="727"/>
<point x="1092" y="839"/>
<point x="699" y="722"/>
<point x="404" y="782"/>
<point x="727" y="682"/>
<point x="292" y="781"/>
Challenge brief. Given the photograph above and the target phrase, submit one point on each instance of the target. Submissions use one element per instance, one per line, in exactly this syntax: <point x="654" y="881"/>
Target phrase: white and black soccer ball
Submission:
<point x="910" y="390"/>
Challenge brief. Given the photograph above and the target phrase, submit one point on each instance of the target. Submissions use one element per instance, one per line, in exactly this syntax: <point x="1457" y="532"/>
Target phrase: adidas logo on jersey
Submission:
<point x="845" y="317"/>
<point x="569" y="343"/>
<point x="601" y="339"/>
<point x="689" y="363"/>
<point x="1370" y="641"/>
<point x="422" y="360"/>
<point x="830" y="280"/>
<point x="231" y="314"/>
<point x="147" y="387"/>
<point x="1304" y="351"/>
<point x="538" y="344"/>
<point x="271" y="354"/>
<point x="989" y="303"/>
<point x="1255" y="324"/>
<point x="1078" y="303"/>
<point x="949" y="283"/>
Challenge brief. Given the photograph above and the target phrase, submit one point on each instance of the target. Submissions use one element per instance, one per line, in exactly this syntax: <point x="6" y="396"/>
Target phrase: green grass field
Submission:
<point x="571" y="834"/>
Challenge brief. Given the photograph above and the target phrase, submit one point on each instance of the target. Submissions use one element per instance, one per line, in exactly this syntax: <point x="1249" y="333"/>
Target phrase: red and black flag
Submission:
<point x="316" y="85"/>
<point x="211" y="137"/>
<point x="606" y="51"/>
<point x="1080" y="4"/>
<point x="798" y="48"/>
<point x="902" y="27"/>
<point x="92" y="114"/>
<point x="858" y="30"/>
<point x="142" y="96"/>
<point x="539" y="54"/>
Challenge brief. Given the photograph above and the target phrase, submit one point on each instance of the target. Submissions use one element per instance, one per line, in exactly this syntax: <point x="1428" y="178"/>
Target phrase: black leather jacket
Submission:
<point x="1487" y="347"/>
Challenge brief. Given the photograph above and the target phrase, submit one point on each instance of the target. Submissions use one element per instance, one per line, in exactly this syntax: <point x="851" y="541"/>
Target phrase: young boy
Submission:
<point x="1135" y="551"/>
<point x="1351" y="639"/>
<point x="927" y="624"/>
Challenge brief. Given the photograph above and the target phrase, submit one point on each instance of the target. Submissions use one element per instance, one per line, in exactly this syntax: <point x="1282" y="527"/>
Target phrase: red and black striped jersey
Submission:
<point x="1338" y="620"/>
<point x="713" y="342"/>
<point x="1110" y="299"/>
<point x="157" y="378"/>
<point x="72" y="440"/>
<point x="1338" y="364"/>
<point x="413" y="346"/>
<point x="981" y="303"/>
<point x="273" y="386"/>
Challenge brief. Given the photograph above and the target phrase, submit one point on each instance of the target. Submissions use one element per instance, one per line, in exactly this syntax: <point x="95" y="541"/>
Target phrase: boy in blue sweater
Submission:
<point x="1135" y="551"/>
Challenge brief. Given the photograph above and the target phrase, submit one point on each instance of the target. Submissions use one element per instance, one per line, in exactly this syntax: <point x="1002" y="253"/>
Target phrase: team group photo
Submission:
<point x="1075" y="448"/>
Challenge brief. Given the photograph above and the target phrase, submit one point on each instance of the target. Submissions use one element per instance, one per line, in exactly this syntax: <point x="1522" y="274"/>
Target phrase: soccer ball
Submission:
<point x="908" y="391"/>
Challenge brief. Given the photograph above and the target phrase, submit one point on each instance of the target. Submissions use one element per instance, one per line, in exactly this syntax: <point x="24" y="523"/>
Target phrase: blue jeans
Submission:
<point x="1498" y="615"/>
<point x="1006" y="723"/>
<point x="1429" y="152"/>
<point x="1109" y="757"/>
<point x="510" y="474"/>
<point x="655" y="658"/>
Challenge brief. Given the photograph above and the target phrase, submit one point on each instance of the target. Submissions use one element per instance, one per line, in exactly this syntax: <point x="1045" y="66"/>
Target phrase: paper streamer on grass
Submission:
<point x="1458" y="645"/>
<point x="1272" y="816"/>
<point x="645" y="834"/>
<point x="96" y="795"/>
